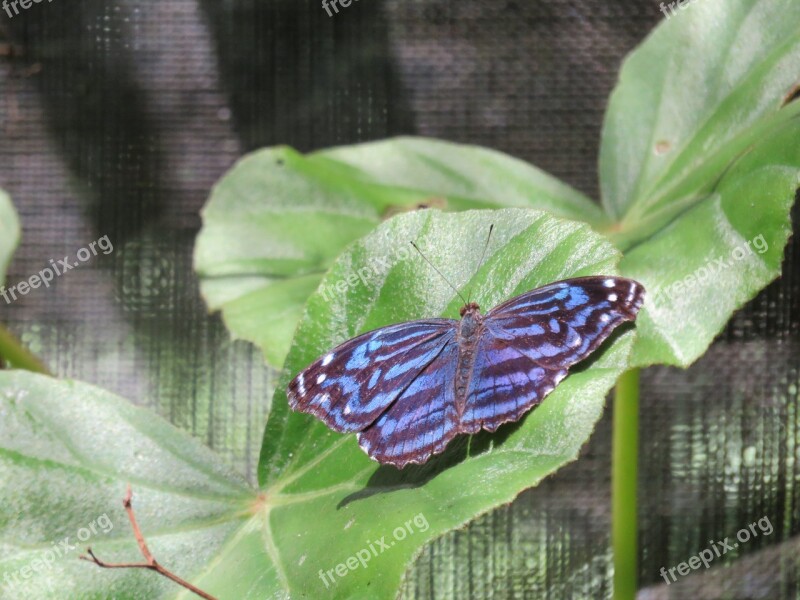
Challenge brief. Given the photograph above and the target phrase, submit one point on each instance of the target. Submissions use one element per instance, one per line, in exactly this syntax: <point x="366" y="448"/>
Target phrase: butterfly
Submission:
<point x="408" y="389"/>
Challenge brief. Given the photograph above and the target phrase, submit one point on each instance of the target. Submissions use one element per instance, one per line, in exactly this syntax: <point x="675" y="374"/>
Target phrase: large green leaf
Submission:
<point x="716" y="256"/>
<point x="354" y="501"/>
<point x="700" y="157"/>
<point x="67" y="451"/>
<point x="702" y="89"/>
<point x="9" y="233"/>
<point x="278" y="219"/>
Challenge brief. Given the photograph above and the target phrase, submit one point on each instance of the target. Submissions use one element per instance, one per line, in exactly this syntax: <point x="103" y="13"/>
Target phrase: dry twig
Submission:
<point x="150" y="561"/>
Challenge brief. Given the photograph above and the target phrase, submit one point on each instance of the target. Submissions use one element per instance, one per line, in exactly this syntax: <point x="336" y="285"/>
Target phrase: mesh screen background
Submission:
<point x="119" y="116"/>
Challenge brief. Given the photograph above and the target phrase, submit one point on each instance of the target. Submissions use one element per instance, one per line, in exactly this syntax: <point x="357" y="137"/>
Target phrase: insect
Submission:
<point x="408" y="389"/>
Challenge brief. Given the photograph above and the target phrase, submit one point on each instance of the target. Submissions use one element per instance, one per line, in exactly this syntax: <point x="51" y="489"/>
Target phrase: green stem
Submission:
<point x="12" y="350"/>
<point x="624" y="531"/>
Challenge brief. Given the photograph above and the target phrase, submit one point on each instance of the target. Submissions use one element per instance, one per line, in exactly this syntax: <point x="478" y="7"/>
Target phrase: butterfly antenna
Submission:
<point x="455" y="289"/>
<point x="483" y="256"/>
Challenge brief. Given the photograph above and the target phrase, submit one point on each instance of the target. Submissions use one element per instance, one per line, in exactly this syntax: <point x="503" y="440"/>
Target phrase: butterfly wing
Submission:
<point x="562" y="323"/>
<point x="504" y="386"/>
<point x="422" y="420"/>
<point x="351" y="386"/>
<point x="530" y="342"/>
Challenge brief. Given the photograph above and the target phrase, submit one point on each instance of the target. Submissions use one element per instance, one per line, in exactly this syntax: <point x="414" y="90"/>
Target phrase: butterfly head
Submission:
<point x="471" y="319"/>
<point x="470" y="308"/>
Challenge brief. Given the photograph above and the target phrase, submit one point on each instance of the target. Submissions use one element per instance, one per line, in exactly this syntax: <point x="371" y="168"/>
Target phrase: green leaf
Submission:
<point x="9" y="233"/>
<point x="700" y="157"/>
<point x="697" y="94"/>
<point x="67" y="451"/>
<point x="718" y="255"/>
<point x="12" y="353"/>
<point x="278" y="219"/>
<point x="329" y="501"/>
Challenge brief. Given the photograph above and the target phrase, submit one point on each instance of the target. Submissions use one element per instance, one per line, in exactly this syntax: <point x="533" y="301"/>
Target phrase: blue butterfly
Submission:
<point x="408" y="389"/>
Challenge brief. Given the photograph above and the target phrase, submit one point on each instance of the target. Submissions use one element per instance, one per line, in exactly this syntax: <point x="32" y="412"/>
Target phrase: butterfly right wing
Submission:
<point x="531" y="341"/>
<point x="352" y="385"/>
<point x="562" y="323"/>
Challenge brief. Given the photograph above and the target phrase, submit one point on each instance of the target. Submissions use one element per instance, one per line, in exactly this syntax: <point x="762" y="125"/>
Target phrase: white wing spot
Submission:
<point x="609" y="283"/>
<point x="612" y="297"/>
<point x="327" y="360"/>
<point x="301" y="383"/>
<point x="322" y="377"/>
<point x="577" y="341"/>
<point x="604" y="318"/>
<point x="347" y="410"/>
<point x="631" y="293"/>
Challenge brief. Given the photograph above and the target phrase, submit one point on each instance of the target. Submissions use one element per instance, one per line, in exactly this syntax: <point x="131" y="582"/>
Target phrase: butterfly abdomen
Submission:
<point x="469" y="332"/>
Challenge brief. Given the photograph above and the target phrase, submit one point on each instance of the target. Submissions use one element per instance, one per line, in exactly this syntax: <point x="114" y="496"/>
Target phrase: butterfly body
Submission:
<point x="469" y="329"/>
<point x="408" y="389"/>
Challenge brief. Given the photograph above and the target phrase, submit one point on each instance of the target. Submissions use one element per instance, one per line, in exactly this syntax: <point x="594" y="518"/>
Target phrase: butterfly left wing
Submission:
<point x="530" y="341"/>
<point x="352" y="385"/>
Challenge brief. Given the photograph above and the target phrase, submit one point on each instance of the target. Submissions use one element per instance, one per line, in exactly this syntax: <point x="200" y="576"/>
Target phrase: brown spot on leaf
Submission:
<point x="434" y="202"/>
<point x="258" y="504"/>
<point x="662" y="147"/>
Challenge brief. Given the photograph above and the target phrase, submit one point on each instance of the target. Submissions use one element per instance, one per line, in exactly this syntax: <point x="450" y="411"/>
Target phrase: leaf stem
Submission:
<point x="12" y="351"/>
<point x="625" y="447"/>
